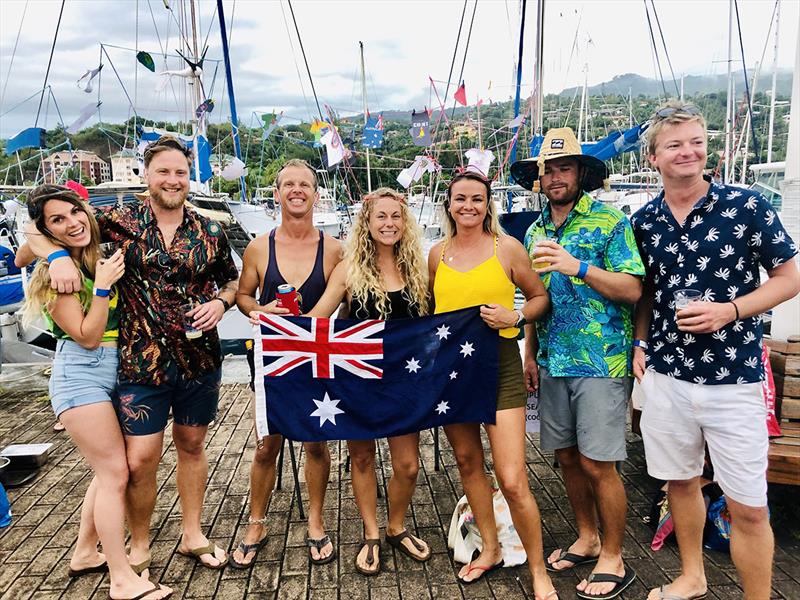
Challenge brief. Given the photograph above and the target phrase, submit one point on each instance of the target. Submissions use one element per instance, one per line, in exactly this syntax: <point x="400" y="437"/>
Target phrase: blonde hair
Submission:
<point x="678" y="113"/>
<point x="363" y="277"/>
<point x="39" y="295"/>
<point x="296" y="162"/>
<point x="491" y="222"/>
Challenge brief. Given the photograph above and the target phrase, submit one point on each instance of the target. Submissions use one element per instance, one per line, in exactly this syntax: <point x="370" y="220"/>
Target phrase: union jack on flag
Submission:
<point x="317" y="341"/>
<point x="336" y="379"/>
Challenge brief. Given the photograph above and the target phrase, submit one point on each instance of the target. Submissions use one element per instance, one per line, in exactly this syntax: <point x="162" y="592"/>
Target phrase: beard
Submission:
<point x="170" y="203"/>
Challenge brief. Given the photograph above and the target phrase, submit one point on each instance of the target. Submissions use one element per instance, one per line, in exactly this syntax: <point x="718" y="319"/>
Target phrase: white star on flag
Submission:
<point x="412" y="365"/>
<point x="442" y="332"/>
<point x="466" y="349"/>
<point x="326" y="410"/>
<point x="453" y="375"/>
<point x="442" y="408"/>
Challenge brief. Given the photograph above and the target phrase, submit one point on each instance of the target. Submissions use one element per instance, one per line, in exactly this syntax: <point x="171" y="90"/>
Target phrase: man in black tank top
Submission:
<point x="295" y="253"/>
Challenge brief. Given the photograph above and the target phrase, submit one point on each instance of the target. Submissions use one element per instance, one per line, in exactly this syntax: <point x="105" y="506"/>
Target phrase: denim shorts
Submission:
<point x="588" y="412"/>
<point x="81" y="376"/>
<point x="144" y="409"/>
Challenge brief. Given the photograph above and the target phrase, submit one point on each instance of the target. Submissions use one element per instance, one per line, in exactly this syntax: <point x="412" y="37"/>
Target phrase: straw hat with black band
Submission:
<point x="560" y="143"/>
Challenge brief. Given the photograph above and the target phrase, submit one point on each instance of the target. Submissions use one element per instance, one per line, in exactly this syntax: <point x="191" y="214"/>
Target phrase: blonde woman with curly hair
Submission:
<point x="383" y="276"/>
<point x="84" y="376"/>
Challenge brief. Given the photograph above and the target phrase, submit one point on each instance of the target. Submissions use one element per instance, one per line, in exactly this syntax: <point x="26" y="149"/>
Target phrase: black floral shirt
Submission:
<point x="157" y="281"/>
<point x="729" y="233"/>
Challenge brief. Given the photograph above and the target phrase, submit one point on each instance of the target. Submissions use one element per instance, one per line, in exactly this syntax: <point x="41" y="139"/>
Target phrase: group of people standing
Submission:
<point x="599" y="309"/>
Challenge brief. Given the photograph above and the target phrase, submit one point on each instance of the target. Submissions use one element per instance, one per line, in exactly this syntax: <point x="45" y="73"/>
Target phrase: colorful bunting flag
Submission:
<point x="373" y="132"/>
<point x="146" y="60"/>
<point x="271" y="121"/>
<point x="461" y="95"/>
<point x="205" y="107"/>
<point x="420" y="131"/>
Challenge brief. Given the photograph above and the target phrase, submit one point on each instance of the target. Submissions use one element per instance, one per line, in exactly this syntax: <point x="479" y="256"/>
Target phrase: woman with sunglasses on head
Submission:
<point x="477" y="264"/>
<point x="83" y="378"/>
<point x="382" y="277"/>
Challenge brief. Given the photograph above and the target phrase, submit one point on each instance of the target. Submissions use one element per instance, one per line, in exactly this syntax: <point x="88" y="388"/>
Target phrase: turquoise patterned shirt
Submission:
<point x="585" y="334"/>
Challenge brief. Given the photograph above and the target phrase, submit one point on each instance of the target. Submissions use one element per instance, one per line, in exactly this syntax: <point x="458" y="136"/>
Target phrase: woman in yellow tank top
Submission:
<point x="477" y="264"/>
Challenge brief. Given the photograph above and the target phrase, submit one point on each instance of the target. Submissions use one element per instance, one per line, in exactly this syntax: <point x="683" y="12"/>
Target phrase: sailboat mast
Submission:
<point x="747" y="123"/>
<point x="509" y="197"/>
<point x="539" y="69"/>
<point x="198" y="128"/>
<point x="364" y="99"/>
<point x="774" y="82"/>
<point x="728" y="174"/>
<point x="583" y="124"/>
<point x="234" y="118"/>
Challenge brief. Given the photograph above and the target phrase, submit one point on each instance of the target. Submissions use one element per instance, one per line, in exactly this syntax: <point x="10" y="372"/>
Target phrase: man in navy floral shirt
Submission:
<point x="699" y="361"/>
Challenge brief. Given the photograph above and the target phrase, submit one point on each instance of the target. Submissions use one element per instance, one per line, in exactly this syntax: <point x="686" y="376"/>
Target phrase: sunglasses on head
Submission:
<point x="688" y="109"/>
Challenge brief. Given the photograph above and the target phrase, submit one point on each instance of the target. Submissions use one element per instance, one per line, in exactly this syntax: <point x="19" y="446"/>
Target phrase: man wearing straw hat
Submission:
<point x="579" y="356"/>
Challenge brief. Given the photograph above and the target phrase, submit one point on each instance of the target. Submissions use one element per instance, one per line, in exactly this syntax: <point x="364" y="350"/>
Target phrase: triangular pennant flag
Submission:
<point x="461" y="95"/>
<point x="146" y="60"/>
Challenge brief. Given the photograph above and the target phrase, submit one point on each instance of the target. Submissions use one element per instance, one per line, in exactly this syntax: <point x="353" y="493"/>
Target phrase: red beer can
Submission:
<point x="287" y="297"/>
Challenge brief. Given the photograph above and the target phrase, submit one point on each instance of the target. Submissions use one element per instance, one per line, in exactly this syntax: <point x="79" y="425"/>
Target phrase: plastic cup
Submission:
<point x="108" y="248"/>
<point x="685" y="297"/>
<point x="536" y="239"/>
<point x="190" y="331"/>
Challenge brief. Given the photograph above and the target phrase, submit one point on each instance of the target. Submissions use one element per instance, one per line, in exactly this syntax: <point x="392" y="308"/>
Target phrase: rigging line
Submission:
<point x="50" y="61"/>
<point x="466" y="49"/>
<point x="13" y="53"/>
<point x="655" y="49"/>
<point x="746" y="82"/>
<point x="18" y="104"/>
<point x="158" y="36"/>
<point x="305" y="60"/>
<point x="119" y="79"/>
<point x="664" y="44"/>
<point x="294" y="56"/>
<point x="164" y="54"/>
<point x="211" y="24"/>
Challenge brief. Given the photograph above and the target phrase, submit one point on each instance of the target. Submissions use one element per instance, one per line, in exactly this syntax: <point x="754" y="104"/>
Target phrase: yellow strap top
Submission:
<point x="487" y="283"/>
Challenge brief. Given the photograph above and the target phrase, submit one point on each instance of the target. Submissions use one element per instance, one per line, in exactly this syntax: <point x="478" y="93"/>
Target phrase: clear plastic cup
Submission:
<point x="191" y="332"/>
<point x="536" y="239"/>
<point x="108" y="248"/>
<point x="685" y="297"/>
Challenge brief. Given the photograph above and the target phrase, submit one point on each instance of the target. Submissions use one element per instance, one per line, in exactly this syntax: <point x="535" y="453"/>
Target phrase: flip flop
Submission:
<point x="549" y="594"/>
<point x="371" y="556"/>
<point x="486" y="571"/>
<point x="665" y="595"/>
<point x="142" y="566"/>
<point x="319" y="544"/>
<point x="575" y="559"/>
<point x="620" y="583"/>
<point x="101" y="568"/>
<point x="396" y="541"/>
<point x="246" y="549"/>
<point x="211" y="549"/>
<point x="153" y="590"/>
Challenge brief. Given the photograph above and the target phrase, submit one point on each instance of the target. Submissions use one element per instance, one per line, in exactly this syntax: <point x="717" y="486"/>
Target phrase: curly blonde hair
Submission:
<point x="363" y="278"/>
<point x="39" y="294"/>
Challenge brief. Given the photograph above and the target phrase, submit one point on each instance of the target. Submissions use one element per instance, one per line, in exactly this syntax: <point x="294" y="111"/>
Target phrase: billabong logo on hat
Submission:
<point x="557" y="144"/>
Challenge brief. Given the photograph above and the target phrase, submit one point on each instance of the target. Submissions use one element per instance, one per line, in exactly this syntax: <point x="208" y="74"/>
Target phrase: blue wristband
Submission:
<point x="582" y="270"/>
<point x="100" y="292"/>
<point x="56" y="254"/>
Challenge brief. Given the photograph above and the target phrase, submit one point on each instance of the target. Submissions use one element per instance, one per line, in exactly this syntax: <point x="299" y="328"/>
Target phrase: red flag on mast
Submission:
<point x="461" y="95"/>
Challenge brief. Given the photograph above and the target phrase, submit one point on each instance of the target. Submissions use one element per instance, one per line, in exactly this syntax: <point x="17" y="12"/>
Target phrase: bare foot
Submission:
<point x="256" y="532"/>
<point x="134" y="589"/>
<point x="579" y="547"/>
<point x="80" y="562"/>
<point x="316" y="532"/>
<point x="611" y="565"/>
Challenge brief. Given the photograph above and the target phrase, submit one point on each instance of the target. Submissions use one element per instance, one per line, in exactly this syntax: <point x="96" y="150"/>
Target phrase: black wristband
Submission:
<point x="736" y="308"/>
<point x="225" y="303"/>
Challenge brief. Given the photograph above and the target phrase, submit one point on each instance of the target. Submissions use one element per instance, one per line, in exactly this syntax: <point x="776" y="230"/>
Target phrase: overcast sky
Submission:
<point x="405" y="43"/>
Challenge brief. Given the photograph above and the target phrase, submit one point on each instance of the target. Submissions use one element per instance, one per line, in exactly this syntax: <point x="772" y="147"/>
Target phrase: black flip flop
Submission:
<point x="246" y="549"/>
<point x="396" y="541"/>
<point x="620" y="584"/>
<point x="319" y="544"/>
<point x="575" y="559"/>
<point x="101" y="568"/>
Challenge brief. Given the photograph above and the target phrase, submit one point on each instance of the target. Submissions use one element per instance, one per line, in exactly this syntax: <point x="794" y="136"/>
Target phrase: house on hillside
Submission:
<point x="125" y="167"/>
<point x="91" y="166"/>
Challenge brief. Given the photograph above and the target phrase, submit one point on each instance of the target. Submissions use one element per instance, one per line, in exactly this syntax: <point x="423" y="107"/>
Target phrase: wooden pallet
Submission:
<point x="784" y="452"/>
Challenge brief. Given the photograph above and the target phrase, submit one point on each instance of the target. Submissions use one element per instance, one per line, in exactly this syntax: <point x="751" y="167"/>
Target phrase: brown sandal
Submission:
<point x="396" y="541"/>
<point x="371" y="557"/>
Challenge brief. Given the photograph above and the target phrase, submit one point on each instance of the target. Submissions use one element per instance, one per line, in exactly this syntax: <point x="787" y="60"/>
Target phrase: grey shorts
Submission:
<point x="588" y="412"/>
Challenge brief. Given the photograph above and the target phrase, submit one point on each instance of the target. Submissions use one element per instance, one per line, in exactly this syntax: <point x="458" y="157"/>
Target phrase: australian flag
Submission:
<point x="373" y="132"/>
<point x="337" y="379"/>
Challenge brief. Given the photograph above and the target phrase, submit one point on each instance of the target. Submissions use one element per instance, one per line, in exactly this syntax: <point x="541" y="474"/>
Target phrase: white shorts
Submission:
<point x="678" y="416"/>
